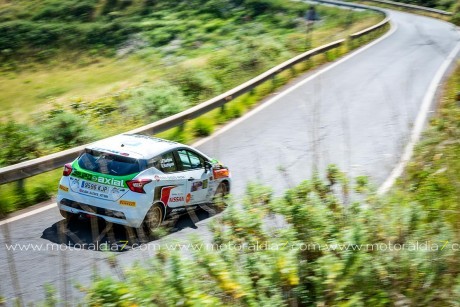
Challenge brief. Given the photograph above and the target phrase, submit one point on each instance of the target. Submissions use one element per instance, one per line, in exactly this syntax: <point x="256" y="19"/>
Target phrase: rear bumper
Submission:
<point x="110" y="212"/>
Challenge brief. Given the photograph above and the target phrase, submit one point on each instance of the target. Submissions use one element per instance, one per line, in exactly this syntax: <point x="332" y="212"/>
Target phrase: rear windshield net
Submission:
<point x="106" y="163"/>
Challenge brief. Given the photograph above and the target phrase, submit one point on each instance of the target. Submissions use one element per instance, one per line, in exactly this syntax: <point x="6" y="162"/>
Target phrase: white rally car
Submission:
<point x="138" y="181"/>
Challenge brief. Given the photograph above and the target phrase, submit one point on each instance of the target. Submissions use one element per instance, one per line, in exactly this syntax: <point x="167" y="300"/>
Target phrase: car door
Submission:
<point x="172" y="184"/>
<point x="193" y="167"/>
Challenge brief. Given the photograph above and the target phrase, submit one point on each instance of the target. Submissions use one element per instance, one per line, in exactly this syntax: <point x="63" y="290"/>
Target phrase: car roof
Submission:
<point x="135" y="145"/>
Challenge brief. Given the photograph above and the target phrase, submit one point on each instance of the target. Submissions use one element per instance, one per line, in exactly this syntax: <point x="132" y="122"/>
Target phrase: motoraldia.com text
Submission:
<point x="118" y="246"/>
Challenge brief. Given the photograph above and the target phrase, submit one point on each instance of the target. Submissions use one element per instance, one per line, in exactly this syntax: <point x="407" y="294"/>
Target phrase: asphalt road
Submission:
<point x="357" y="114"/>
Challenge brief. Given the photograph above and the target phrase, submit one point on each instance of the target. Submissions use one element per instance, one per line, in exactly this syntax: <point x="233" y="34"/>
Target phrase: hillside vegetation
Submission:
<point x="40" y="29"/>
<point x="80" y="68"/>
<point x="323" y="248"/>
<point x="446" y="5"/>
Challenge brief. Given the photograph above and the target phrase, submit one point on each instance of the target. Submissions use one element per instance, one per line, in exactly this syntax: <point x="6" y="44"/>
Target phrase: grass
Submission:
<point x="26" y="92"/>
<point x="35" y="89"/>
<point x="34" y="190"/>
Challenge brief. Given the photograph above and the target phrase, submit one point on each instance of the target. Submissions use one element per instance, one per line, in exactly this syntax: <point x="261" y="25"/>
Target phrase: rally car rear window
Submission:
<point x="106" y="163"/>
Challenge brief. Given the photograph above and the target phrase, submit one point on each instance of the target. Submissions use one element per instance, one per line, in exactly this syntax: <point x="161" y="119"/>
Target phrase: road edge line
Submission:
<point x="420" y="122"/>
<point x="27" y="214"/>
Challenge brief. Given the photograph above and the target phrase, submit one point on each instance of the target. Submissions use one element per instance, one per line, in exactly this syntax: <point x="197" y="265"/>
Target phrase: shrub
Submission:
<point x="102" y="107"/>
<point x="296" y="42"/>
<point x="41" y="193"/>
<point x="19" y="143"/>
<point x="65" y="130"/>
<point x="203" y="127"/>
<point x="456" y="19"/>
<point x="234" y="111"/>
<point x="197" y="85"/>
<point x="178" y="135"/>
<point x="159" y="37"/>
<point x="66" y="10"/>
<point x="311" y="254"/>
<point x="157" y="101"/>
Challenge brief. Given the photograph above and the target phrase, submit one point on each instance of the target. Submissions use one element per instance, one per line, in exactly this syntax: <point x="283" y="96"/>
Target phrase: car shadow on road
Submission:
<point x="96" y="234"/>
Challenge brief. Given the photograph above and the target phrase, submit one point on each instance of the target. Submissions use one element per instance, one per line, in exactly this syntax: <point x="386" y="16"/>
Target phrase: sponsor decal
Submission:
<point x="165" y="193"/>
<point x="197" y="185"/>
<point x="167" y="163"/>
<point x="128" y="203"/>
<point x="99" y="179"/>
<point x="64" y="188"/>
<point x="168" y="177"/>
<point x="117" y="193"/>
<point x="176" y="199"/>
<point x="93" y="193"/>
<point x="110" y="181"/>
<point x="105" y="150"/>
<point x="188" y="198"/>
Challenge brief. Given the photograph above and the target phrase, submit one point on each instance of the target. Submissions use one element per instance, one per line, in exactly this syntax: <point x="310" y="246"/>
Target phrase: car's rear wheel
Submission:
<point x="153" y="219"/>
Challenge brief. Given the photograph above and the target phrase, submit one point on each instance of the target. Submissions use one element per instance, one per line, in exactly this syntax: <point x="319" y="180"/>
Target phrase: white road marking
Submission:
<point x="419" y="123"/>
<point x="30" y="213"/>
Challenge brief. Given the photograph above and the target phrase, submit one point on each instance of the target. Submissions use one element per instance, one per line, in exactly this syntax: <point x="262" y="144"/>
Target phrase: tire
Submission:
<point x="153" y="219"/>
<point x="219" y="195"/>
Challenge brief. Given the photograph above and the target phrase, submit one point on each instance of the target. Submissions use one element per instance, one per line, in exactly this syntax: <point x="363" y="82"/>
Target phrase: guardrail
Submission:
<point x="37" y="166"/>
<point x="371" y="29"/>
<point x="359" y="6"/>
<point x="414" y="7"/>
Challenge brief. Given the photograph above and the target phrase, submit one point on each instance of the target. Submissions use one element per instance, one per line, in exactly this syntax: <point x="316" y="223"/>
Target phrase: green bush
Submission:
<point x="197" y="85"/>
<point x="203" y="127"/>
<point x="160" y="36"/>
<point x="234" y="111"/>
<point x="178" y="134"/>
<point x="67" y="130"/>
<point x="19" y="143"/>
<point x="70" y="10"/>
<point x="322" y="255"/>
<point x="157" y="101"/>
<point x="41" y="193"/>
<point x="456" y="19"/>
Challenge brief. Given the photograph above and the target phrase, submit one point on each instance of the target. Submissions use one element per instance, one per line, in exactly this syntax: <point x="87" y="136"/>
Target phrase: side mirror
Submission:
<point x="207" y="166"/>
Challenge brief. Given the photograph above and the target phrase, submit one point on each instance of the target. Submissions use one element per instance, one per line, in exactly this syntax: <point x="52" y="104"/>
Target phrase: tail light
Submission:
<point x="221" y="173"/>
<point x="138" y="185"/>
<point x="67" y="170"/>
